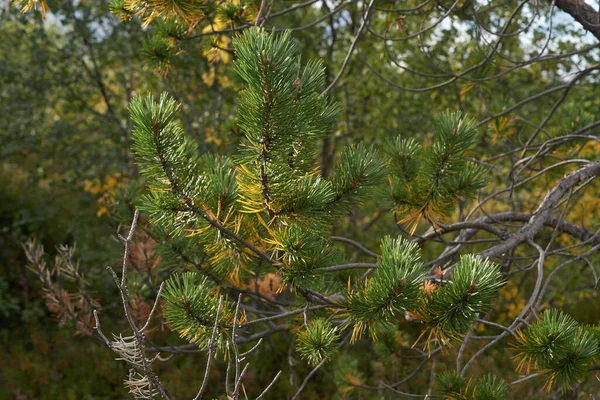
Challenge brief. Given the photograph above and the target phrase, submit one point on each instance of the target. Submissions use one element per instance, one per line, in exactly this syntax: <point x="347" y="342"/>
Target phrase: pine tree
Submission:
<point x="270" y="205"/>
<point x="269" y="211"/>
<point x="224" y="224"/>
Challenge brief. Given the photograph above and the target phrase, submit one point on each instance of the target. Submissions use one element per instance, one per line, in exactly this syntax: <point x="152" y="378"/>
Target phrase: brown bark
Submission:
<point x="542" y="214"/>
<point x="583" y="13"/>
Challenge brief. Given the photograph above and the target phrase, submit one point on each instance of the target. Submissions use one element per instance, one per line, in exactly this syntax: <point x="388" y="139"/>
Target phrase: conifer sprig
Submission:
<point x="318" y="341"/>
<point x="425" y="183"/>
<point x="282" y="117"/>
<point x="449" y="310"/>
<point x="391" y="292"/>
<point x="358" y="171"/>
<point x="558" y="347"/>
<point x="189" y="193"/>
<point x="27" y="5"/>
<point x="159" y="52"/>
<point x="191" y="308"/>
<point x="403" y="156"/>
<point x="159" y="144"/>
<point x="190" y="11"/>
<point x="452" y="386"/>
<point x="303" y="252"/>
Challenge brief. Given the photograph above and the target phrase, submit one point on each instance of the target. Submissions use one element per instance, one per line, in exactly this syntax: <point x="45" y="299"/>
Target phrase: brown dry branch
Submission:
<point x="64" y="288"/>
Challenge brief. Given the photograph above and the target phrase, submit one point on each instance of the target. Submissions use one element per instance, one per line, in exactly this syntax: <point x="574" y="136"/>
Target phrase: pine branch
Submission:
<point x="157" y="136"/>
<point x="542" y="214"/>
<point x="558" y="348"/>
<point x="391" y="292"/>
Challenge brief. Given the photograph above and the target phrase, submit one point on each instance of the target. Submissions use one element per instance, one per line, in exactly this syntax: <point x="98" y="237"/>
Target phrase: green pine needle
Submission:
<point x="557" y="347"/>
<point x="491" y="388"/>
<point x="452" y="386"/>
<point x="450" y="310"/>
<point x="303" y="252"/>
<point x="190" y="309"/>
<point x="358" y="171"/>
<point x="391" y="292"/>
<point x="318" y="342"/>
<point x="426" y="183"/>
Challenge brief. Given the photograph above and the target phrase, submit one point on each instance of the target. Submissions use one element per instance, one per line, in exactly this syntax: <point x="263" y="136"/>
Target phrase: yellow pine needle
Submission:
<point x="234" y="277"/>
<point x="263" y="223"/>
<point x="357" y="331"/>
<point x="148" y="20"/>
<point x="32" y="4"/>
<point x="184" y="332"/>
<point x="236" y="222"/>
<point x="548" y="385"/>
<point x="419" y="338"/>
<point x="316" y="170"/>
<point x="411" y="222"/>
<point x="219" y="204"/>
<point x="208" y="211"/>
<point x="196" y="232"/>
<point x="469" y="384"/>
<point x="281" y="288"/>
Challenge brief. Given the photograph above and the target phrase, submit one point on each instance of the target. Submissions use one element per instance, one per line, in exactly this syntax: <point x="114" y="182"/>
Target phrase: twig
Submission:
<point x="343" y="267"/>
<point x="154" y="307"/>
<point x="351" y="49"/>
<point x="524" y="378"/>
<point x="260" y="11"/>
<point x="238" y="383"/>
<point x="235" y="348"/>
<point x="211" y="351"/>
<point x="355" y="244"/>
<point x="132" y="349"/>
<point x="269" y="386"/>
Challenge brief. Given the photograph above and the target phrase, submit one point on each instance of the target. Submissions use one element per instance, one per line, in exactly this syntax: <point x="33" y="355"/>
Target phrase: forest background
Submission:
<point x="67" y="175"/>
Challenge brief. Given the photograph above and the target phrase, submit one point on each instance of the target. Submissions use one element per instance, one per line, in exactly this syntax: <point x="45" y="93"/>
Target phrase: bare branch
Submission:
<point x="539" y="218"/>
<point x="582" y="13"/>
<point x="269" y="386"/>
<point x="212" y="348"/>
<point x="363" y="24"/>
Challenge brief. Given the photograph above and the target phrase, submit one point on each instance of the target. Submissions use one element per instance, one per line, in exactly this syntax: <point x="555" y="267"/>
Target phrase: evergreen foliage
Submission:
<point x="282" y="117"/>
<point x="318" y="341"/>
<point x="190" y="11"/>
<point x="452" y="386"/>
<point x="425" y="183"/>
<point x="450" y="309"/>
<point x="274" y="191"/>
<point x="271" y="203"/>
<point x="27" y="5"/>
<point x="173" y="21"/>
<point x="190" y="309"/>
<point x="359" y="170"/>
<point x="303" y="254"/>
<point x="391" y="292"/>
<point x="558" y="347"/>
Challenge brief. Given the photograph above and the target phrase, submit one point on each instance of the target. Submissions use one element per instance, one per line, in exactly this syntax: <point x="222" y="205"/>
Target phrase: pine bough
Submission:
<point x="269" y="206"/>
